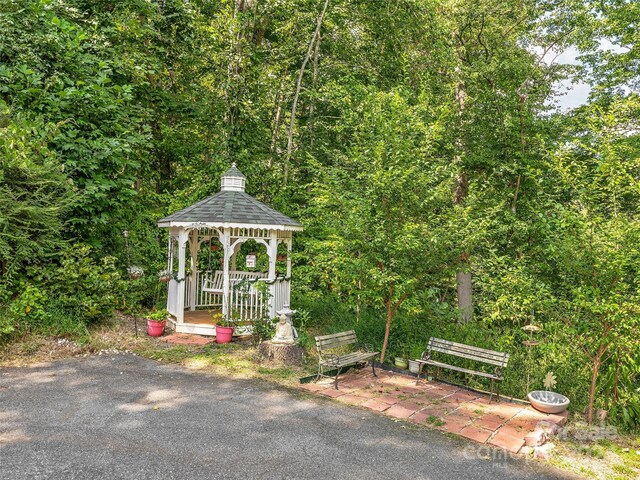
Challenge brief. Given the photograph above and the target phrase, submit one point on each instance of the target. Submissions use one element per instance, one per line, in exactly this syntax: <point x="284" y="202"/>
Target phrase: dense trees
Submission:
<point x="412" y="138"/>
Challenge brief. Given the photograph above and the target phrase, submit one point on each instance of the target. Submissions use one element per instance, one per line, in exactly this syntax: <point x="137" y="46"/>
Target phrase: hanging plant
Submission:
<point x="164" y="276"/>
<point x="135" y="272"/>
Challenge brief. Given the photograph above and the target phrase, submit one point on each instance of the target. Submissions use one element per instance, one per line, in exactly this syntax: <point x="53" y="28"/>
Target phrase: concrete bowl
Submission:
<point x="548" y="402"/>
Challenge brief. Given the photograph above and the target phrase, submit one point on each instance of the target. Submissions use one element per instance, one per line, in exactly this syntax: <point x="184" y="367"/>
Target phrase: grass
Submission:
<point x="435" y="421"/>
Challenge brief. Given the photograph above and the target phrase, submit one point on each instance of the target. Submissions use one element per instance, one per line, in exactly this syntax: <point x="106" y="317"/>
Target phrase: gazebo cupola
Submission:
<point x="230" y="218"/>
<point x="233" y="180"/>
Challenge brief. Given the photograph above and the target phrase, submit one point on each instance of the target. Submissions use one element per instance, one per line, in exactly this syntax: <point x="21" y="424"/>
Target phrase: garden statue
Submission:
<point x="284" y="331"/>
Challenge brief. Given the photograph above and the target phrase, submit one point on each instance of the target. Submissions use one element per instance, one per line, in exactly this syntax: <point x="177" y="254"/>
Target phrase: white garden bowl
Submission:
<point x="548" y="402"/>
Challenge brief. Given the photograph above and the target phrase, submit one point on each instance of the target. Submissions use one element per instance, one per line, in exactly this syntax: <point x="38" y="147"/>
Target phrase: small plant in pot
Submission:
<point x="224" y="328"/>
<point x="156" y="321"/>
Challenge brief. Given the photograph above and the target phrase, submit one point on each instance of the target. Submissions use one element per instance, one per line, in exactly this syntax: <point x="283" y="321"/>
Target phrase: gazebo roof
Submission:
<point x="231" y="207"/>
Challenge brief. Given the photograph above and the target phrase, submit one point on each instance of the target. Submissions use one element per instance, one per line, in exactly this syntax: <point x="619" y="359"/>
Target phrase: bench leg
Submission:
<point x="426" y="372"/>
<point x="336" y="380"/>
<point x="319" y="374"/>
<point x="491" y="396"/>
<point x="498" y="393"/>
<point x="373" y="368"/>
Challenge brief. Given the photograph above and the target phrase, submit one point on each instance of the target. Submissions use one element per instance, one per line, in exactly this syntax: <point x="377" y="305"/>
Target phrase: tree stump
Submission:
<point x="281" y="354"/>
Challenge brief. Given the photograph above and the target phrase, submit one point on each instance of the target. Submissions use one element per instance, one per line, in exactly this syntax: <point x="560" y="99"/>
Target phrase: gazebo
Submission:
<point x="229" y="218"/>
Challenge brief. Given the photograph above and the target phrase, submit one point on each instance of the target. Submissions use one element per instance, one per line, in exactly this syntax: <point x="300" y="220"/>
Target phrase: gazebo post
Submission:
<point x="226" y="246"/>
<point x="289" y="250"/>
<point x="273" y="255"/>
<point x="194" y="246"/>
<point x="183" y="237"/>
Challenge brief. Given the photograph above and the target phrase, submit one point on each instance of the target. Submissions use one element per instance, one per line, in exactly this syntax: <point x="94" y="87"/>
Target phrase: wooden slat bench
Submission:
<point x="326" y="344"/>
<point x="490" y="357"/>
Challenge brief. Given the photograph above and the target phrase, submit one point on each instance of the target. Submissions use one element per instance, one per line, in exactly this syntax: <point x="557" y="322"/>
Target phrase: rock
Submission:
<point x="543" y="452"/>
<point x="526" y="450"/>
<point x="548" y="427"/>
<point x="536" y="438"/>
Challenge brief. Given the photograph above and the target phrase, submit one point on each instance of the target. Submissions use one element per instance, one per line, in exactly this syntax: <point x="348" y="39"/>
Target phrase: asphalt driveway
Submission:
<point x="122" y="416"/>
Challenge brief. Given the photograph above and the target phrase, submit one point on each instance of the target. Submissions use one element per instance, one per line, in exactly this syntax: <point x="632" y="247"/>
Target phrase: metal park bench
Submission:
<point x="490" y="357"/>
<point x="330" y="356"/>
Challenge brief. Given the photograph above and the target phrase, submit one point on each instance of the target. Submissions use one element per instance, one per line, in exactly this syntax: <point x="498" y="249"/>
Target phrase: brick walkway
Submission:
<point x="446" y="407"/>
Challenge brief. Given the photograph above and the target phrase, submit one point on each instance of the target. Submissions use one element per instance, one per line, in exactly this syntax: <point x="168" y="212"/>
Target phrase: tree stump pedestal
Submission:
<point x="281" y="353"/>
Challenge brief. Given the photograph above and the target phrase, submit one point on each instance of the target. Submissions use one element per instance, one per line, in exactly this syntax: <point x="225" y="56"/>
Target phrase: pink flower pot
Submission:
<point x="154" y="328"/>
<point x="223" y="334"/>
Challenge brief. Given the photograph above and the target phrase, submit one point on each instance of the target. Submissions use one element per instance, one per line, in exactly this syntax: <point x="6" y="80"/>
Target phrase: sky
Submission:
<point x="574" y="94"/>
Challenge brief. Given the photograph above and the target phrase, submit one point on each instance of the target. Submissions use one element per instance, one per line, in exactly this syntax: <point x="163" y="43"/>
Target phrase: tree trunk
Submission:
<point x="387" y="329"/>
<point x="296" y="96"/>
<point x="465" y="303"/>
<point x="594" y="382"/>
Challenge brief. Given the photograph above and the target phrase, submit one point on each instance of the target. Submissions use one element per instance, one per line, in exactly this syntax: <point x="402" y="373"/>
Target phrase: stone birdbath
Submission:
<point x="547" y="401"/>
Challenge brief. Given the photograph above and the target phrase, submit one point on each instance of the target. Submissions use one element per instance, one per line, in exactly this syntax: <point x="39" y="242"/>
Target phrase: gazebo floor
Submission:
<point x="200" y="317"/>
<point x="203" y="317"/>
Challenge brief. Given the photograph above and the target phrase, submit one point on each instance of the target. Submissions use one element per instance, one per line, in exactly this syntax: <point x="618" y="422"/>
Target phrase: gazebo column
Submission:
<point x="272" y="250"/>
<point x="225" y="239"/>
<point x="289" y="250"/>
<point x="183" y="238"/>
<point x="194" y="246"/>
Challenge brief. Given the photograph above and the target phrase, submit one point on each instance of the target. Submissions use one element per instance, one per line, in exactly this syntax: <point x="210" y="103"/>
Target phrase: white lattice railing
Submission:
<point x="247" y="302"/>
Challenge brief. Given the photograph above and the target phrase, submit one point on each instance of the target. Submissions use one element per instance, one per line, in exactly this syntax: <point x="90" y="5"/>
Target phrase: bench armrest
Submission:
<point x="426" y="355"/>
<point x="331" y="358"/>
<point x="365" y="347"/>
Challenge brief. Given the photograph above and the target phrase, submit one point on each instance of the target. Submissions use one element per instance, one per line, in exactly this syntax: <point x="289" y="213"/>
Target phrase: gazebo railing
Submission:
<point x="247" y="302"/>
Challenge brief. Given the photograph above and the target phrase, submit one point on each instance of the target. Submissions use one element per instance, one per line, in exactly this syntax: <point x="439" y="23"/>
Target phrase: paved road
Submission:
<point x="126" y="417"/>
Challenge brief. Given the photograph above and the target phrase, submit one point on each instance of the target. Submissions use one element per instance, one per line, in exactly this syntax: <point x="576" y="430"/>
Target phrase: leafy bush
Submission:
<point x="83" y="286"/>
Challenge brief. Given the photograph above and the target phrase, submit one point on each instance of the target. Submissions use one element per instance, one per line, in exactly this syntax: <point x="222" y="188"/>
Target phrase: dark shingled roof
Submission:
<point x="233" y="172"/>
<point x="231" y="207"/>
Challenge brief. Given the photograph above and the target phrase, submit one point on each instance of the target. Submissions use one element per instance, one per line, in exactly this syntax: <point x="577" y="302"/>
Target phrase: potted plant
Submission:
<point x="156" y="321"/>
<point x="135" y="272"/>
<point x="224" y="328"/>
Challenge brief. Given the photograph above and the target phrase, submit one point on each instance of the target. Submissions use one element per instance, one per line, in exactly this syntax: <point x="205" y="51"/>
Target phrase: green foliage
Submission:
<point x="418" y="149"/>
<point x="263" y="329"/>
<point x="82" y="285"/>
<point x="158" y="315"/>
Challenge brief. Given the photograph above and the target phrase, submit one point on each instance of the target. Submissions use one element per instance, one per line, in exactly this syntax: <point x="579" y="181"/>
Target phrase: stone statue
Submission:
<point x="284" y="331"/>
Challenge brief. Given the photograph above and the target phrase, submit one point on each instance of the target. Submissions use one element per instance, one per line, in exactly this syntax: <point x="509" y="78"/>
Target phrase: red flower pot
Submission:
<point x="223" y="334"/>
<point x="155" y="328"/>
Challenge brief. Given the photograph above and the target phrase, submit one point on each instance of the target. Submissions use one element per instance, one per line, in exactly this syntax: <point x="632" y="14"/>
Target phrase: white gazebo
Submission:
<point x="229" y="218"/>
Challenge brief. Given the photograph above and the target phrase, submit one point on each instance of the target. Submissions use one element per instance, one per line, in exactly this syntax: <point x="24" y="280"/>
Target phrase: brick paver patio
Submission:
<point x="446" y="407"/>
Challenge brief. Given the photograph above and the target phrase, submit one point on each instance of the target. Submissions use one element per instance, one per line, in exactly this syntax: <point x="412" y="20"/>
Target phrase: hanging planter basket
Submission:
<point x="281" y="258"/>
<point x="135" y="272"/>
<point x="164" y="276"/>
<point x="215" y="248"/>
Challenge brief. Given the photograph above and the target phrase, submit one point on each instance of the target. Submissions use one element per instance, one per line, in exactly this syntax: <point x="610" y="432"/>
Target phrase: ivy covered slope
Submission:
<point x="441" y="193"/>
